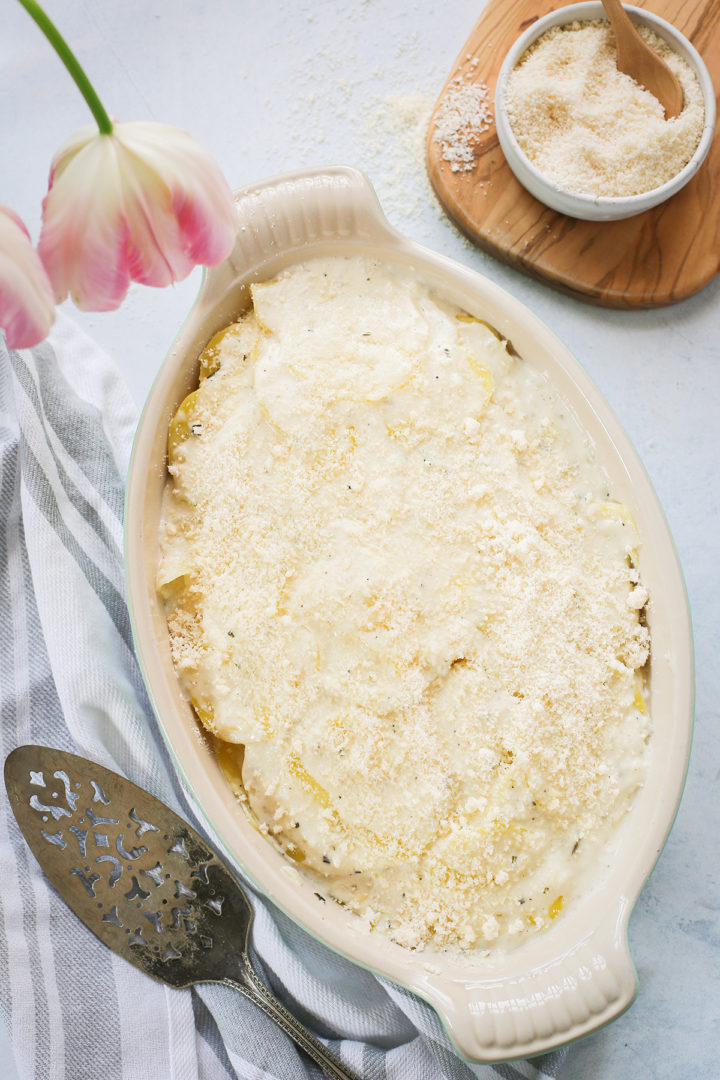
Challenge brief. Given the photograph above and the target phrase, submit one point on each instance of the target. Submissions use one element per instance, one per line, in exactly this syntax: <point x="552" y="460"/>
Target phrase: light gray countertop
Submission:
<point x="269" y="87"/>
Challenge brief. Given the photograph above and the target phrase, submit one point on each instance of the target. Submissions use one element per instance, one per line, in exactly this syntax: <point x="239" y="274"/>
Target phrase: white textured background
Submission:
<point x="269" y="86"/>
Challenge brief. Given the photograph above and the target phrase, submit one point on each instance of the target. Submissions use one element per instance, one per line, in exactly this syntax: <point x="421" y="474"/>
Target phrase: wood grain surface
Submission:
<point x="655" y="258"/>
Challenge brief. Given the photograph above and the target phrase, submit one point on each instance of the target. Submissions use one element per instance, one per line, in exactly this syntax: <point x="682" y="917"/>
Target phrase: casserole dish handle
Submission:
<point x="524" y="1013"/>
<point x="296" y="212"/>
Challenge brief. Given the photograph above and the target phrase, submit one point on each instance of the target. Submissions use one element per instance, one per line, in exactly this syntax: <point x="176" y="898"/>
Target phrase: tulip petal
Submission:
<point x="202" y="203"/>
<point x="84" y="233"/>
<point x="155" y="251"/>
<point x="145" y="203"/>
<point x="27" y="310"/>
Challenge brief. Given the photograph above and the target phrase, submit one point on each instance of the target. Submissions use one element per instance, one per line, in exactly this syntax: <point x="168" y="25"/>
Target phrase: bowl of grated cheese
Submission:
<point x="586" y="139"/>
<point x="446" y="372"/>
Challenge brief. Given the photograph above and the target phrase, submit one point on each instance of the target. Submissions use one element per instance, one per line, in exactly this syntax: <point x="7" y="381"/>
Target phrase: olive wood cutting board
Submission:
<point x="655" y="258"/>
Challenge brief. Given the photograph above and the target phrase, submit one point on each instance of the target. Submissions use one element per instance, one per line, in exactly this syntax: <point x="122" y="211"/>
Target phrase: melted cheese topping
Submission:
<point x="400" y="595"/>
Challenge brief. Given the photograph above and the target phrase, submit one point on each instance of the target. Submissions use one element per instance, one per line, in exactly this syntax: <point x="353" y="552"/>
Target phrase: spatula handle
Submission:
<point x="251" y="986"/>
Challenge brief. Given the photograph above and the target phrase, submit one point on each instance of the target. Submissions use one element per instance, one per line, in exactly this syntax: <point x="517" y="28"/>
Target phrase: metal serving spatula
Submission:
<point x="142" y="880"/>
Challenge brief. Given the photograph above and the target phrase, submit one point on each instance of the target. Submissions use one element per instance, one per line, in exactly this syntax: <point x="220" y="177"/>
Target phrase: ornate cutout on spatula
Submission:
<point x="145" y="882"/>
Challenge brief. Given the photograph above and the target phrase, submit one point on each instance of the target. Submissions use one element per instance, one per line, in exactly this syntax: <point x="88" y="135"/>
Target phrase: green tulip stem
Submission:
<point x="70" y="61"/>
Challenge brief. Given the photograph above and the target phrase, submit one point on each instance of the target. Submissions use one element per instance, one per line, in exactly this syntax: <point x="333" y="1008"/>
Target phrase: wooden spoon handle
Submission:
<point x="636" y="59"/>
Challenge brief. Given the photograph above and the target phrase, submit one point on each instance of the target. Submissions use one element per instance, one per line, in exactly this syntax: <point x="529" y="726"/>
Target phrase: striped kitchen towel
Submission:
<point x="69" y="678"/>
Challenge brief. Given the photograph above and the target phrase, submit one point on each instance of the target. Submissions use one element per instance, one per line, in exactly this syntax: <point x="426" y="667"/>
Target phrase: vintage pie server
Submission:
<point x="142" y="880"/>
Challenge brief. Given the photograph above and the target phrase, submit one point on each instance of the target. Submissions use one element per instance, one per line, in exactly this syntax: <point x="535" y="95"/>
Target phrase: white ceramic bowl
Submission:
<point x="578" y="975"/>
<point x="589" y="207"/>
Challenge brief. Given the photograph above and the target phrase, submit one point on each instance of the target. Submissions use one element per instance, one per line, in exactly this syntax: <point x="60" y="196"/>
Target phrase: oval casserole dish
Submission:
<point x="577" y="975"/>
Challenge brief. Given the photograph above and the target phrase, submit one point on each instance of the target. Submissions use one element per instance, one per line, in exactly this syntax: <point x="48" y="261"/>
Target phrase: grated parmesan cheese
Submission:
<point x="463" y="114"/>
<point x="591" y="128"/>
<point x="399" y="594"/>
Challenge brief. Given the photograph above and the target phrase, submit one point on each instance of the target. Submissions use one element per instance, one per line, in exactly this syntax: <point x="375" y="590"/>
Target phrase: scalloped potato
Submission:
<point x="401" y="597"/>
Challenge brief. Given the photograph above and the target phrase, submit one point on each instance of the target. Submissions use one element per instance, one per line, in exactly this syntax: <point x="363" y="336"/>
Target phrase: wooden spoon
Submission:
<point x="636" y="59"/>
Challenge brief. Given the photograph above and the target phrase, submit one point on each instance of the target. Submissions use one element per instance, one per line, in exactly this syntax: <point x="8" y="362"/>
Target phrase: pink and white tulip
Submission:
<point x="27" y="309"/>
<point x="143" y="203"/>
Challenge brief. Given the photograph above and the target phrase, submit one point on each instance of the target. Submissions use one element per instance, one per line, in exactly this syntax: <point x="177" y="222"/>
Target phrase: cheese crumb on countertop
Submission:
<point x="463" y="114"/>
<point x="395" y="580"/>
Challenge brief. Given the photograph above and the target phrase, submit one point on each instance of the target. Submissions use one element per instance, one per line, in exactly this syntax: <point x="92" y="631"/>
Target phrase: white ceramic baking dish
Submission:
<point x="578" y="975"/>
